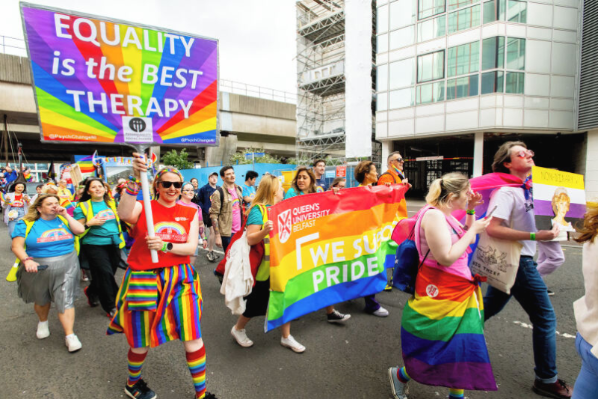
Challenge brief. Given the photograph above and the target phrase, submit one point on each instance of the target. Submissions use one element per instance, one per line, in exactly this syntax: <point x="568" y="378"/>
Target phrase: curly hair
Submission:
<point x="312" y="178"/>
<point x="590" y="224"/>
<point x="362" y="169"/>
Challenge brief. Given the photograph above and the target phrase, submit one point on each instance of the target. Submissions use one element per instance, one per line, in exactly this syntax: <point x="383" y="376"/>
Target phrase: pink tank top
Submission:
<point x="460" y="266"/>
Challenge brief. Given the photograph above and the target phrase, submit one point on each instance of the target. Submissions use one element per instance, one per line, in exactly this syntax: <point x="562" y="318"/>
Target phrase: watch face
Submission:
<point x="169" y="246"/>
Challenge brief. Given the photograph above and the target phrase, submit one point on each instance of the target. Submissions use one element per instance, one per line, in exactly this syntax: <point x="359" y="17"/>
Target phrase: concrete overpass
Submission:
<point x="245" y="122"/>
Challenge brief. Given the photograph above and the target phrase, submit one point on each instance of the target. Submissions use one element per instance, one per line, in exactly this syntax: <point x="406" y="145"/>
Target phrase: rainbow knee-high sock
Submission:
<point x="197" y="366"/>
<point x="403" y="376"/>
<point x="135" y="364"/>
<point x="456" y="393"/>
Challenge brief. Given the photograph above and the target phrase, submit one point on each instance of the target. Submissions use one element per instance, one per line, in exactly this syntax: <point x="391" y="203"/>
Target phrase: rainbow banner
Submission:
<point x="327" y="248"/>
<point x="86" y="165"/>
<point x="105" y="81"/>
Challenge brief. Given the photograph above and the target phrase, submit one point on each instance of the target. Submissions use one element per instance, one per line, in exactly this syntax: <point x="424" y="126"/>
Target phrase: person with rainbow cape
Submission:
<point x="442" y="328"/>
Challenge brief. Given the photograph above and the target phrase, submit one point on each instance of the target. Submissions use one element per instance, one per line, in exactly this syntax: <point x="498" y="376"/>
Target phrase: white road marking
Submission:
<point x="525" y="325"/>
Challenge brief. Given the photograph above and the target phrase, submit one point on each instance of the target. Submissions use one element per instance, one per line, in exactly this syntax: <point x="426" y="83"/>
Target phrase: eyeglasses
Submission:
<point x="525" y="154"/>
<point x="167" y="184"/>
<point x="186" y="191"/>
<point x="397" y="160"/>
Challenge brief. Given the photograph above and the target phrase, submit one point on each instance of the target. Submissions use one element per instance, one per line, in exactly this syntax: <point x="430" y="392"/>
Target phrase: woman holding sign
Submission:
<point x="268" y="193"/>
<point x="442" y="329"/>
<point x="16" y="204"/>
<point x="160" y="302"/>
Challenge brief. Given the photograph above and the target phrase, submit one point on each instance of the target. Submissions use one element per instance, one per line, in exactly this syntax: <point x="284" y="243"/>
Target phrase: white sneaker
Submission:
<point x="72" y="343"/>
<point x="381" y="312"/>
<point x="241" y="337"/>
<point x="290" y="343"/>
<point x="43" y="331"/>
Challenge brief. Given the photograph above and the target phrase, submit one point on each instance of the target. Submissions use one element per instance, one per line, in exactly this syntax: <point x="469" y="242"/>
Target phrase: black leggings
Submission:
<point x="103" y="261"/>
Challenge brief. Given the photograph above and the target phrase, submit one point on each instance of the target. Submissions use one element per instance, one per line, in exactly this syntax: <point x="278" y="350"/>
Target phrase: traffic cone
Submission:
<point x="12" y="274"/>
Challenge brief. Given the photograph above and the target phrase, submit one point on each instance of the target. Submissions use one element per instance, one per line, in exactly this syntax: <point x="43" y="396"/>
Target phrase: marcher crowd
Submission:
<point x="57" y="234"/>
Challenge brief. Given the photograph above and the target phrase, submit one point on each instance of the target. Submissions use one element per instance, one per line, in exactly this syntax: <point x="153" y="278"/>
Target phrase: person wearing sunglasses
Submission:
<point x="101" y="242"/>
<point x="513" y="220"/>
<point x="395" y="174"/>
<point x="160" y="302"/>
<point x="187" y="197"/>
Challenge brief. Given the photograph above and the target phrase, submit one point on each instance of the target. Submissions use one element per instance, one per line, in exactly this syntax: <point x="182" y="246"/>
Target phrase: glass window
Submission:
<point x="430" y="67"/>
<point x="42" y="166"/>
<point x="431" y="29"/>
<point x="427" y="8"/>
<point x="454" y="4"/>
<point x="494" y="11"/>
<point x="493" y="82"/>
<point x="382" y="20"/>
<point x="430" y="93"/>
<point x="402" y="13"/>
<point x="382" y="101"/>
<point x="382" y="77"/>
<point x="516" y="54"/>
<point x="402" y="73"/>
<point x="464" y="59"/>
<point x="515" y="82"/>
<point x="493" y="53"/>
<point x="517" y="11"/>
<point x="466" y="86"/>
<point x="402" y="37"/>
<point x="464" y="19"/>
<point x="382" y="43"/>
<point x="401" y="98"/>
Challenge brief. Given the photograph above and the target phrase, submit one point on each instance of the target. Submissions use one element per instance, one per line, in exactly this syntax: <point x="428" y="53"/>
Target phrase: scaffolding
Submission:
<point x="321" y="79"/>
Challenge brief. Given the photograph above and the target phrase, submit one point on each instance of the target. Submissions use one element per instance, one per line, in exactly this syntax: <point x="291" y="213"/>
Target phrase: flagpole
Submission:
<point x="147" y="203"/>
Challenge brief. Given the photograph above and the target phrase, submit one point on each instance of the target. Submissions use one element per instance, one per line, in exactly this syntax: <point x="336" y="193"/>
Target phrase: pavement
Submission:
<point x="347" y="361"/>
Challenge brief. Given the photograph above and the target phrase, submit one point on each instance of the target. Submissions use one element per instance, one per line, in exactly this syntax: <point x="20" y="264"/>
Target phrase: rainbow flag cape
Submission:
<point x="27" y="175"/>
<point x="327" y="248"/>
<point x="442" y="333"/>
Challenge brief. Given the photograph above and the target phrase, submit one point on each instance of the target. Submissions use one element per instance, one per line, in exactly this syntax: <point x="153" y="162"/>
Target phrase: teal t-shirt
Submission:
<point x="248" y="192"/>
<point x="105" y="234"/>
<point x="292" y="193"/>
<point x="255" y="216"/>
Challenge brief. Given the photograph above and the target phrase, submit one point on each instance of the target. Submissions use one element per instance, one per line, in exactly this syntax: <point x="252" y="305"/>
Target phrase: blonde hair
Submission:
<point x="32" y="214"/>
<point x="441" y="189"/>
<point x="560" y="195"/>
<point x="589" y="231"/>
<point x="49" y="186"/>
<point x="266" y="192"/>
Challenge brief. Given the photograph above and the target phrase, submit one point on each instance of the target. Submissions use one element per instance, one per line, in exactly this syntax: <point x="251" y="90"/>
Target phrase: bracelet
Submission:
<point x="532" y="236"/>
<point x="204" y="238"/>
<point x="133" y="179"/>
<point x="164" y="247"/>
<point x="470" y="212"/>
<point x="132" y="192"/>
<point x="28" y="258"/>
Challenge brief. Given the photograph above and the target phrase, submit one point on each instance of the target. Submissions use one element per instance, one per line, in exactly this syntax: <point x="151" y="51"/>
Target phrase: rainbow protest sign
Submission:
<point x="105" y="81"/>
<point x="327" y="248"/>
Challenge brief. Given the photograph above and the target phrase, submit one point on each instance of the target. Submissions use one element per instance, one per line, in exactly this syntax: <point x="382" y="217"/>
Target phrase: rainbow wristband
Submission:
<point x="532" y="236"/>
<point x="470" y="211"/>
<point x="131" y="192"/>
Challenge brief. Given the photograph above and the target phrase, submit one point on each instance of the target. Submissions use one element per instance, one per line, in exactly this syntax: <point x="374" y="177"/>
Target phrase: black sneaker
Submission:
<point x="210" y="256"/>
<point x="550" y="292"/>
<point x="210" y="396"/>
<point x="337" y="317"/>
<point x="140" y="391"/>
<point x="91" y="301"/>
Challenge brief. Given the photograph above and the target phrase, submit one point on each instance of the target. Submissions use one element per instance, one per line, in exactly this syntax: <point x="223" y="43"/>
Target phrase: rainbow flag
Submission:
<point x="442" y="333"/>
<point x="327" y="248"/>
<point x="27" y="175"/>
<point x="86" y="165"/>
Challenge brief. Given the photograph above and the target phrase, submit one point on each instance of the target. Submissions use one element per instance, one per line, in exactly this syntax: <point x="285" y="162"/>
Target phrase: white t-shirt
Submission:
<point x="517" y="212"/>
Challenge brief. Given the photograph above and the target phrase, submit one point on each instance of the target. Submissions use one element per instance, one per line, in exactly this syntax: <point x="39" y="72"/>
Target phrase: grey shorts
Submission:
<point x="59" y="283"/>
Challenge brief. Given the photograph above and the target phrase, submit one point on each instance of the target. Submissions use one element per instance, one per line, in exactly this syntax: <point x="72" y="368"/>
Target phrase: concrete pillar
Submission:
<point x="592" y="166"/>
<point x="386" y="150"/>
<point x="478" y="154"/>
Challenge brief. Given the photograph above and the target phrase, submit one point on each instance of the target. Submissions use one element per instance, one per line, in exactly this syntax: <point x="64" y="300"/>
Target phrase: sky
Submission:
<point x="256" y="37"/>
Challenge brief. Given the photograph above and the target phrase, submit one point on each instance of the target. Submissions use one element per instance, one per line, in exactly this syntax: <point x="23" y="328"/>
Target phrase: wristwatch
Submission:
<point x="169" y="247"/>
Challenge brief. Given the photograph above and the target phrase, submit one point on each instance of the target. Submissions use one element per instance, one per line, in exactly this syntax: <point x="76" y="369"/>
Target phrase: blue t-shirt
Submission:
<point x="47" y="238"/>
<point x="255" y="216"/>
<point x="105" y="234"/>
<point x="292" y="193"/>
<point x="248" y="192"/>
<point x="321" y="185"/>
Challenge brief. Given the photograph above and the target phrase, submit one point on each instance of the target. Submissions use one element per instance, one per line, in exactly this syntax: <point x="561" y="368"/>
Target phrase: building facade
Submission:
<point x="456" y="78"/>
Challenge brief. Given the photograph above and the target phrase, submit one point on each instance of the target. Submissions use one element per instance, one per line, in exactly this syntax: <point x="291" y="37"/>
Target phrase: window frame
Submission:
<point x="417" y="73"/>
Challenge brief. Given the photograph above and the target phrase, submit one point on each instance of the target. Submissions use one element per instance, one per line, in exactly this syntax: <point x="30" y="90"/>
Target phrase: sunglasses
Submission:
<point x="167" y="184"/>
<point x="398" y="160"/>
<point x="186" y="191"/>
<point x="525" y="154"/>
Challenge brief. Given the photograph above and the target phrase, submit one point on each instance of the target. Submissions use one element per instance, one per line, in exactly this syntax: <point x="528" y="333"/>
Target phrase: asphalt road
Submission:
<point x="347" y="361"/>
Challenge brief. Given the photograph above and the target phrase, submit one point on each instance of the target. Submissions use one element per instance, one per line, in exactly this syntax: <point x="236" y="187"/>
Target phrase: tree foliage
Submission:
<point x="239" y="158"/>
<point x="177" y="160"/>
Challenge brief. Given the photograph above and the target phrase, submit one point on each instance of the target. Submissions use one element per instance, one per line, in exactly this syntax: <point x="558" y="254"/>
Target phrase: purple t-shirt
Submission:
<point x="236" y="225"/>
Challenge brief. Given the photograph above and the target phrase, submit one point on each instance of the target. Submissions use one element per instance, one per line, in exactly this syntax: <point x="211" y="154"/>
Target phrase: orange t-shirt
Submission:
<point x="390" y="176"/>
<point x="172" y="225"/>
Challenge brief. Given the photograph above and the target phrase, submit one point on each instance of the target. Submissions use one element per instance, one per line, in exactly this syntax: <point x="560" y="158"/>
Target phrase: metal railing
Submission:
<point x="14" y="46"/>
